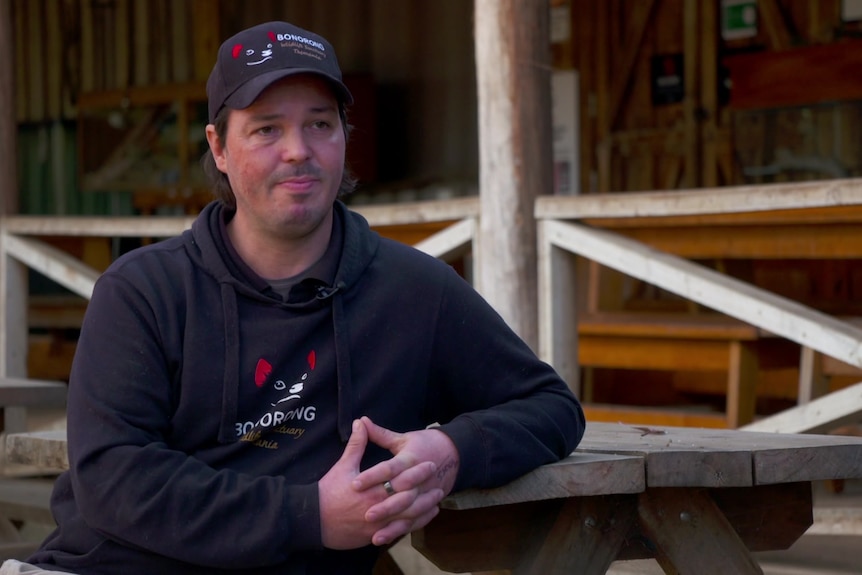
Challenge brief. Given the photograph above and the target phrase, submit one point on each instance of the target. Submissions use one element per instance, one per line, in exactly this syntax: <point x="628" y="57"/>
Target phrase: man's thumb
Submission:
<point x="381" y="436"/>
<point x="356" y="444"/>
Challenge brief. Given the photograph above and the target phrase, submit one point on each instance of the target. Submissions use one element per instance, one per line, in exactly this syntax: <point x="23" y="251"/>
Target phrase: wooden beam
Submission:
<point x="88" y="49"/>
<point x="55" y="56"/>
<point x="601" y="49"/>
<point x="584" y="28"/>
<point x="143" y="96"/>
<point x="691" y="102"/>
<point x="709" y="26"/>
<point x="775" y="25"/>
<point x="206" y="37"/>
<point x="741" y="385"/>
<point x="725" y="294"/>
<point x="725" y="200"/>
<point x="123" y="43"/>
<point x="515" y="156"/>
<point x="818" y="416"/>
<point x="773" y="241"/>
<point x="417" y="212"/>
<point x="161" y="47"/>
<point x="34" y="33"/>
<point x="677" y="417"/>
<point x="13" y="320"/>
<point x="8" y="115"/>
<point x="53" y="263"/>
<point x="19" y="49"/>
<point x="141" y="42"/>
<point x="558" y="310"/>
<point x="796" y="77"/>
<point x="181" y="57"/>
<point x="641" y="18"/>
<point x="121" y="227"/>
<point x="451" y="242"/>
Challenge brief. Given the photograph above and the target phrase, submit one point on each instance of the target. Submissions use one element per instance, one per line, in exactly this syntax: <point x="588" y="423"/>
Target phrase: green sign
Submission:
<point x="738" y="19"/>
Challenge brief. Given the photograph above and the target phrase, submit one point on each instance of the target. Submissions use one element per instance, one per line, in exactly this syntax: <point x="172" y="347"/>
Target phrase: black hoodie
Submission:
<point x="203" y="407"/>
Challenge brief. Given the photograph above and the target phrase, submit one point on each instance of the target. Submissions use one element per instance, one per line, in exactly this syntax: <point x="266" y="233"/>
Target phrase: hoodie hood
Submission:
<point x="210" y="248"/>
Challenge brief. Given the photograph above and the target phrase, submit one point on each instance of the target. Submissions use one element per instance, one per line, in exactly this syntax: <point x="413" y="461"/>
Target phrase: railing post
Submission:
<point x="558" y="309"/>
<point x="14" y="337"/>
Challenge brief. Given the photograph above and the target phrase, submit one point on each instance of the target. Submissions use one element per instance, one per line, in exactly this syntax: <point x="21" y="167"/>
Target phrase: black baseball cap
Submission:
<point x="253" y="59"/>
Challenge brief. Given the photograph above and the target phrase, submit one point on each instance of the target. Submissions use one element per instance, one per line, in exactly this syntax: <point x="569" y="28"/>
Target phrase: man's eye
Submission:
<point x="265" y="131"/>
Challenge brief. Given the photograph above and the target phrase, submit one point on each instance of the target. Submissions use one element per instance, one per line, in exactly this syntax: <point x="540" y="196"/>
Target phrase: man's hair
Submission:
<point x="219" y="182"/>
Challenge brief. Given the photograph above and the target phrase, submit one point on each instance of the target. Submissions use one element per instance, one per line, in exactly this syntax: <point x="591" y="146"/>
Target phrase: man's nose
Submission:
<point x="294" y="146"/>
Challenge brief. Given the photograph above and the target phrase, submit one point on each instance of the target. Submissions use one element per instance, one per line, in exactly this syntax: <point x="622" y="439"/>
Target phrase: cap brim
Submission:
<point x="245" y="95"/>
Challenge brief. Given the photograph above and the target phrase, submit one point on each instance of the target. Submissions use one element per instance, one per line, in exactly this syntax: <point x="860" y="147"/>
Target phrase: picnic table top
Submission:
<point x="614" y="458"/>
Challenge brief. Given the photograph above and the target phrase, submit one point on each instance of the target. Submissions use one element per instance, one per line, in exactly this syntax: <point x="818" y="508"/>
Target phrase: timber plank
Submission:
<point x="55" y="56"/>
<point x="502" y="532"/>
<point x="585" y="537"/>
<point x="753" y="241"/>
<point x="20" y="392"/>
<point x="767" y="459"/>
<point x="771" y="79"/>
<point x="797" y="200"/>
<point x="692" y="532"/>
<point x="787" y="506"/>
<point x="22" y="113"/>
<point x="668" y="416"/>
<point x="815" y="462"/>
<point x="667" y="325"/>
<point x="35" y="61"/>
<point x="580" y="474"/>
<point x="643" y="353"/>
<point x="720" y="463"/>
<point x="49" y="454"/>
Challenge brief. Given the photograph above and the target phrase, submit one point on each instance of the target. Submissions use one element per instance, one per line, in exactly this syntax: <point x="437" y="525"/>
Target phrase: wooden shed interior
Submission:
<point x="648" y="95"/>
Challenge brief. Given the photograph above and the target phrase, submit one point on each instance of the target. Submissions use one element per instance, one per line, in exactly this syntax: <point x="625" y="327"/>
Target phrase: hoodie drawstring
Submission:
<point x="232" y="376"/>
<point x="342" y="366"/>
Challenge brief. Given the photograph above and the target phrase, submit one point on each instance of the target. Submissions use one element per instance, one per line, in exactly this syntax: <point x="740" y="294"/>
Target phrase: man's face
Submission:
<point x="284" y="157"/>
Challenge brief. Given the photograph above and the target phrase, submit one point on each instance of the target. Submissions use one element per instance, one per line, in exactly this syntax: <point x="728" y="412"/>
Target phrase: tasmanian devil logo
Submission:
<point x="255" y="55"/>
<point x="264" y="369"/>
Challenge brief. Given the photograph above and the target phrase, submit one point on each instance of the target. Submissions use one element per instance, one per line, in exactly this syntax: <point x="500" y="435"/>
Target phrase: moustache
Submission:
<point x="305" y="170"/>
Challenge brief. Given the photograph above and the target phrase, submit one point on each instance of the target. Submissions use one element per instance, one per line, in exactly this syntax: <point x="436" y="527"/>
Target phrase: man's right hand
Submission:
<point x="343" y="523"/>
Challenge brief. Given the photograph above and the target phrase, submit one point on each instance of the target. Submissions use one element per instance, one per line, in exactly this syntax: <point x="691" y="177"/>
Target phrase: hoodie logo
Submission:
<point x="262" y="372"/>
<point x="277" y="418"/>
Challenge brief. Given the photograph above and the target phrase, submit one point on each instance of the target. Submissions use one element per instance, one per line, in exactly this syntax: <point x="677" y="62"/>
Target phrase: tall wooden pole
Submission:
<point x="513" y="67"/>
<point x="8" y="122"/>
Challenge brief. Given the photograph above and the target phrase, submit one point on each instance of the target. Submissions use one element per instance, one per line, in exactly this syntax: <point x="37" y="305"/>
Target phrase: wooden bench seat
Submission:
<point x="681" y="342"/>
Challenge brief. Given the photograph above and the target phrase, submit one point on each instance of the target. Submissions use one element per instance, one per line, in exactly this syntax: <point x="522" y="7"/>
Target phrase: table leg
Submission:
<point x="584" y="538"/>
<point x="691" y="534"/>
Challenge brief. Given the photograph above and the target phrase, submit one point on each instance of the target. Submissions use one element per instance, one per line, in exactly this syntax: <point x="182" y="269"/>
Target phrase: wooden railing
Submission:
<point x="583" y="226"/>
<point x="568" y="227"/>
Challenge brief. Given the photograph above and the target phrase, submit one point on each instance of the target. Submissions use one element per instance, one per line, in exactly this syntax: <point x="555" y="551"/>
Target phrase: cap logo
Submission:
<point x="301" y="40"/>
<point x="265" y="53"/>
<point x="252" y="59"/>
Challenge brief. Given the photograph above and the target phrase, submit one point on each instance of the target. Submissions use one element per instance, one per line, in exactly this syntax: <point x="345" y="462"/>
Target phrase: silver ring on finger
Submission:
<point x="390" y="491"/>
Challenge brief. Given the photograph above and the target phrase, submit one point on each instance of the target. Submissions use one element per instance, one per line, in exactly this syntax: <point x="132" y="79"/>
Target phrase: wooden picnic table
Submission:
<point x="697" y="500"/>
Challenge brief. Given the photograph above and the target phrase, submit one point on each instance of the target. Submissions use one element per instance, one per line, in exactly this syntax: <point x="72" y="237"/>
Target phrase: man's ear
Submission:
<point x="217" y="148"/>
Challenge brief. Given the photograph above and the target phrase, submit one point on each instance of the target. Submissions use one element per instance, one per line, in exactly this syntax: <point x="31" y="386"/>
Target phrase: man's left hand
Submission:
<point x="409" y="450"/>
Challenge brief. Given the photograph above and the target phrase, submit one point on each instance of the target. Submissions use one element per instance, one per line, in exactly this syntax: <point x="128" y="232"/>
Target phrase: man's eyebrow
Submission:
<point x="264" y="117"/>
<point x="323" y="109"/>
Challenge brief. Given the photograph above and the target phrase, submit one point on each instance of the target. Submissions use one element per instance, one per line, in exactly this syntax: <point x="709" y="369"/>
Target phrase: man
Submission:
<point x="279" y="390"/>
